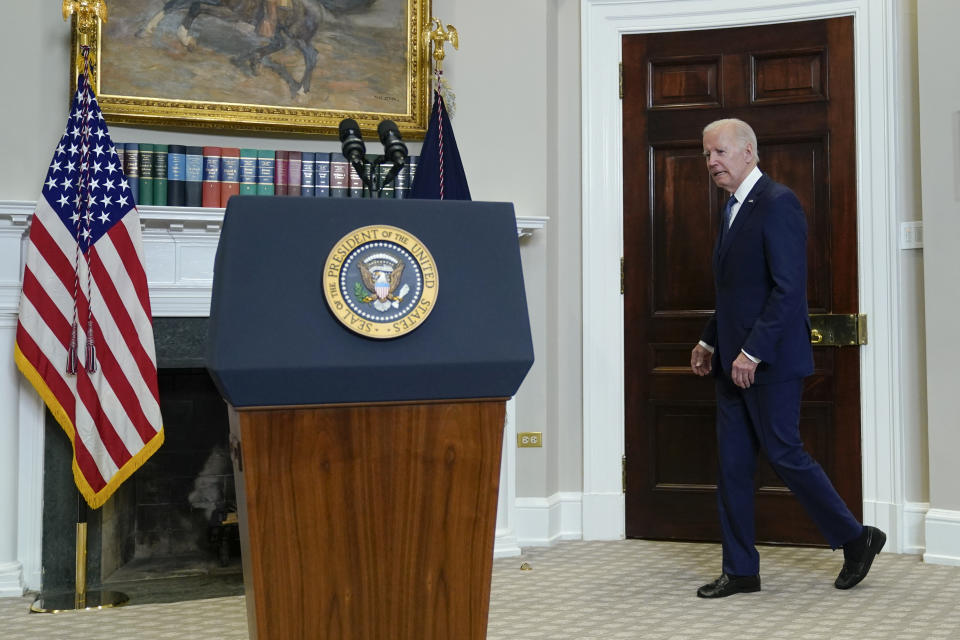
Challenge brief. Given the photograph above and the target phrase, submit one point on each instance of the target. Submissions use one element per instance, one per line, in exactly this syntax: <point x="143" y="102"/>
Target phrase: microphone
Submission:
<point x="353" y="147"/>
<point x="393" y="146"/>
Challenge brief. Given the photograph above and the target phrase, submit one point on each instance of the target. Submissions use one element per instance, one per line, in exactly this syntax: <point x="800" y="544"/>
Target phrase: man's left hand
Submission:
<point x="742" y="371"/>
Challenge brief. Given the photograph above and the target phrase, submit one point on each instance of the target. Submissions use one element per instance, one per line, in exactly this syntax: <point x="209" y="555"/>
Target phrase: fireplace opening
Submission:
<point x="170" y="531"/>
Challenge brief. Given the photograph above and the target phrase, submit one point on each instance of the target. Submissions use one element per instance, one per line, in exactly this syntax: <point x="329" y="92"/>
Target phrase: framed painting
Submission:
<point x="298" y="66"/>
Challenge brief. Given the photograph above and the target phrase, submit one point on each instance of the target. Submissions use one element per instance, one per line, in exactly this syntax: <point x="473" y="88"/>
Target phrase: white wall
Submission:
<point x="565" y="405"/>
<point x="516" y="78"/>
<point x="940" y="165"/>
<point x="913" y="406"/>
<point x="501" y="128"/>
<point x="34" y="43"/>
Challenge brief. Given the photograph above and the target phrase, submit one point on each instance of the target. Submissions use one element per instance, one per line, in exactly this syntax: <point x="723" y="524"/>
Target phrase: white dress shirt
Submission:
<point x="743" y="191"/>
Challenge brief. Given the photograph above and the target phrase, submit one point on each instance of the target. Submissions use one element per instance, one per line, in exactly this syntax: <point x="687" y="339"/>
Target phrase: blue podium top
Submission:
<point x="274" y="340"/>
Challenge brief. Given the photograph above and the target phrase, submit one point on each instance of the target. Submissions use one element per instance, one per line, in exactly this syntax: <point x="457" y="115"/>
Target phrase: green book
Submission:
<point x="146" y="174"/>
<point x="266" y="165"/>
<point x="248" y="172"/>
<point x="160" y="175"/>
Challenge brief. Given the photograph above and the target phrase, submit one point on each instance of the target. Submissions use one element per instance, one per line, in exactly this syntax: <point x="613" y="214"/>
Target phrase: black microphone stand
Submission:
<point x="372" y="178"/>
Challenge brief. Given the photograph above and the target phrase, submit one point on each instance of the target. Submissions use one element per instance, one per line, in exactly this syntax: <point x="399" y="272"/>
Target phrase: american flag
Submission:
<point x="85" y="335"/>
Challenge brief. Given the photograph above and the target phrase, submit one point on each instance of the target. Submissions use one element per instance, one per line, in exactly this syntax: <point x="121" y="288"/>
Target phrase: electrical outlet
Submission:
<point x="911" y="235"/>
<point x="530" y="439"/>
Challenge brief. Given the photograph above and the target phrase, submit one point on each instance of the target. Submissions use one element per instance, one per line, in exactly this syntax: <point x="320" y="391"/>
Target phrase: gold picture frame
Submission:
<point x="152" y="66"/>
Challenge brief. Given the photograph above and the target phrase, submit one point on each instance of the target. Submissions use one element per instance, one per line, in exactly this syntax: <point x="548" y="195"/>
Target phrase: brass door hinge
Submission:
<point x="621" y="81"/>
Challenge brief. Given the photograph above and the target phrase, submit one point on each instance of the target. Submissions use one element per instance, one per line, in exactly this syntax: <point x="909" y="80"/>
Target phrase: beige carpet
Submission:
<point x="608" y="591"/>
<point x="638" y="589"/>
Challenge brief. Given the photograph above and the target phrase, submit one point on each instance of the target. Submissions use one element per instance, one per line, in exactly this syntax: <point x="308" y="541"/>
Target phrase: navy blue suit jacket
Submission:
<point x="760" y="274"/>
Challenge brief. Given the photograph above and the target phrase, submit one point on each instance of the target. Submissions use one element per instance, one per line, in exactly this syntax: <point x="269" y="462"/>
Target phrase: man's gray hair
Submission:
<point x="741" y="130"/>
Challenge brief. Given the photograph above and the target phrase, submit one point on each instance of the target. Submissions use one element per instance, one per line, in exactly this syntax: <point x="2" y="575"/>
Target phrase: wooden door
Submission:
<point x="794" y="84"/>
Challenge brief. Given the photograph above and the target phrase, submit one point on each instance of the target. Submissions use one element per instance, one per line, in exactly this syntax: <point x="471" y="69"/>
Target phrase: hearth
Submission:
<point x="173" y="520"/>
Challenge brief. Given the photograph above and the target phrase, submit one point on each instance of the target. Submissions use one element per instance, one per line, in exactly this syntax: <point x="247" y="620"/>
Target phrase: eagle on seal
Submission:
<point x="380" y="287"/>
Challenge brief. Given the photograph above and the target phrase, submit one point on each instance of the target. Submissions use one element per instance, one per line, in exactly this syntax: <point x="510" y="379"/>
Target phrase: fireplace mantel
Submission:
<point x="18" y="212"/>
<point x="179" y="248"/>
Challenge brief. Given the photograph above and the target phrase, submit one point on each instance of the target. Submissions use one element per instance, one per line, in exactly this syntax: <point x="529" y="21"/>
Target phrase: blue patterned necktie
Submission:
<point x="727" y="215"/>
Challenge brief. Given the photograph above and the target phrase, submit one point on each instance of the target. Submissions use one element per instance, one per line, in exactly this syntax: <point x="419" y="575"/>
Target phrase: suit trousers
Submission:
<point x="767" y="417"/>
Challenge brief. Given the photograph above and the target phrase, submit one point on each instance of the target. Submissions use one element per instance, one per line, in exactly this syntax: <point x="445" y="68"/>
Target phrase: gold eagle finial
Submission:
<point x="437" y="37"/>
<point x="89" y="12"/>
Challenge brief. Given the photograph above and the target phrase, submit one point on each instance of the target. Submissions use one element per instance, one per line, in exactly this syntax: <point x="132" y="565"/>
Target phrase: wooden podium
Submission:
<point x="367" y="471"/>
<point x="382" y="518"/>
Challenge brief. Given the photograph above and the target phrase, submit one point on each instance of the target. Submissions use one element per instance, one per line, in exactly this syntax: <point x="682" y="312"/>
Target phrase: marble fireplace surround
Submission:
<point x="179" y="247"/>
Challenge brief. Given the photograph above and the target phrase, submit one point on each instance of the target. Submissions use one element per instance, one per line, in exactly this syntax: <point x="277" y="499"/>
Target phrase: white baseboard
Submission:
<point x="11" y="580"/>
<point x="942" y="537"/>
<point x="914" y="527"/>
<point x="543" y="521"/>
<point x="505" y="545"/>
<point x="574" y="516"/>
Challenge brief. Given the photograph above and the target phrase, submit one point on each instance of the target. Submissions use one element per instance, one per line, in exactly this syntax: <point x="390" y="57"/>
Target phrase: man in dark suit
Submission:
<point x="757" y="345"/>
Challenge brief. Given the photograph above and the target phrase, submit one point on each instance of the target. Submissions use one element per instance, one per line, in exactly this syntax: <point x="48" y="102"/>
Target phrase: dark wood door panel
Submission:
<point x="682" y="479"/>
<point x="794" y="84"/>
<point x="786" y="77"/>
<point x="690" y="82"/>
<point x="675" y="464"/>
<point x="801" y="164"/>
<point x="681" y="224"/>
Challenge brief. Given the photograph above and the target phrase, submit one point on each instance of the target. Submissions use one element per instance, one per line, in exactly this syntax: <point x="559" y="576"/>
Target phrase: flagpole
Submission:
<point x="80" y="577"/>
<point x="80" y="598"/>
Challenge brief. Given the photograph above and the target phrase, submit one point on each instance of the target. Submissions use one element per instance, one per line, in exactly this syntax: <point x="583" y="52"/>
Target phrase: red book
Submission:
<point x="229" y="174"/>
<point x="282" y="173"/>
<point x="293" y="173"/>
<point x="211" y="177"/>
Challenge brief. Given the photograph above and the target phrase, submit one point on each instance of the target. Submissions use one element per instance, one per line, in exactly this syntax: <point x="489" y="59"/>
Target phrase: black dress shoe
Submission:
<point x="727" y="585"/>
<point x="856" y="569"/>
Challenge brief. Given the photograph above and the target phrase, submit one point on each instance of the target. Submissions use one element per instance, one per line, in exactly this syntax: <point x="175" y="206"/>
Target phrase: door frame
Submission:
<point x="603" y="23"/>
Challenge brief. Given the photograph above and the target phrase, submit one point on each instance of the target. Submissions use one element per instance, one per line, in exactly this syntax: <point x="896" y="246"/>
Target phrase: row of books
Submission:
<point x="185" y="176"/>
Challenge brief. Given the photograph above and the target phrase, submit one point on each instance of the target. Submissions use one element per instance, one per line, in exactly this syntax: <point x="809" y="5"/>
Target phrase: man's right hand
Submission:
<point x="700" y="359"/>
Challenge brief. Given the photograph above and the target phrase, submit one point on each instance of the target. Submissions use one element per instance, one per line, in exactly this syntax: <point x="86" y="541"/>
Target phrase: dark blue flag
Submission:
<point x="440" y="174"/>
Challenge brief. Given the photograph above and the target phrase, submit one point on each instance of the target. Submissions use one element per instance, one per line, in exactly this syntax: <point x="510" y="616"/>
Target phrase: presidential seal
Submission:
<point x="380" y="281"/>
